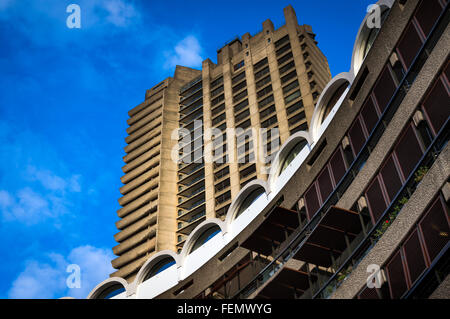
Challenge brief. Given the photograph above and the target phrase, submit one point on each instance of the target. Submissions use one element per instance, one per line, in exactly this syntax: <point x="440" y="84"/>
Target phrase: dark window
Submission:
<point x="261" y="73"/>
<point x="263" y="82"/>
<point x="396" y="277"/>
<point x="265" y="101"/>
<point x="239" y="96"/>
<point x="414" y="257"/>
<point x="284" y="58"/>
<point x="409" y="45"/>
<point x="287" y="67"/>
<point x="294" y="107"/>
<point x="384" y="89"/>
<point x="218" y="109"/>
<point x="435" y="228"/>
<point x="427" y="14"/>
<point x="288" y="76"/>
<point x="217" y="82"/>
<point x="260" y="64"/>
<point x="356" y="136"/>
<point x="283" y="49"/>
<point x="239" y="65"/>
<point x="217" y="91"/>
<point x="239" y="117"/>
<point x="408" y="151"/>
<point x="264" y="91"/>
<point x="311" y="201"/>
<point x="325" y="184"/>
<point x="282" y="41"/>
<point x="269" y="122"/>
<point x="375" y="200"/>
<point x="369" y="115"/>
<point x="291" y="97"/>
<point x="437" y="106"/>
<point x="337" y="165"/>
<point x="239" y="86"/>
<point x="238" y="78"/>
<point x="290" y="86"/>
<point x="240" y="106"/>
<point x="391" y="178"/>
<point x="296" y="119"/>
<point x="267" y="112"/>
<point x="302" y="127"/>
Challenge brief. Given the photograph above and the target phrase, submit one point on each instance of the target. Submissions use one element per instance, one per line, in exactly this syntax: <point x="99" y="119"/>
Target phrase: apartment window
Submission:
<point x="267" y="112"/>
<point x="239" y="65"/>
<point x="239" y="86"/>
<point x="436" y="104"/>
<point x="391" y="178"/>
<point x="301" y="37"/>
<point x="303" y="46"/>
<point x="265" y="101"/>
<point x="409" y="45"/>
<point x="338" y="166"/>
<point x="282" y="41"/>
<point x="240" y="106"/>
<point x="223" y="198"/>
<point x="290" y="86"/>
<point x="288" y="99"/>
<point x="283" y="49"/>
<point x="222" y="185"/>
<point x="217" y="100"/>
<point x="427" y="14"/>
<point x="248" y="171"/>
<point x="296" y="119"/>
<point x="302" y="127"/>
<point x="260" y="64"/>
<point x="261" y="73"/>
<point x="239" y="117"/>
<point x="408" y="151"/>
<point x="218" y="119"/>
<point x="218" y="109"/>
<point x="384" y="89"/>
<point x="396" y="277"/>
<point x="311" y="201"/>
<point x="223" y="172"/>
<point x="239" y="96"/>
<point x="217" y="91"/>
<point x="238" y="78"/>
<point x="325" y="184"/>
<point x="356" y="136"/>
<point x="375" y="198"/>
<point x="433" y="226"/>
<point x="369" y="115"/>
<point x="217" y="82"/>
<point x="285" y="58"/>
<point x="305" y="55"/>
<point x="414" y="257"/>
<point x="269" y="122"/>
<point x="263" y="82"/>
<point x="294" y="107"/>
<point x="264" y="91"/>
<point x="287" y="67"/>
<point x="288" y="76"/>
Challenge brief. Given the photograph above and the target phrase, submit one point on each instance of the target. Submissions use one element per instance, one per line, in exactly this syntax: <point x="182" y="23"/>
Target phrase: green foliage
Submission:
<point x="420" y="173"/>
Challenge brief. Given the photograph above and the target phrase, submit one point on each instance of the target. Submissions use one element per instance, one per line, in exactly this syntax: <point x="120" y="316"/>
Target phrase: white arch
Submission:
<point x="327" y="94"/>
<point x="197" y="232"/>
<point x="363" y="33"/>
<point x="152" y="261"/>
<point x="289" y="144"/>
<point x="106" y="284"/>
<point x="242" y="195"/>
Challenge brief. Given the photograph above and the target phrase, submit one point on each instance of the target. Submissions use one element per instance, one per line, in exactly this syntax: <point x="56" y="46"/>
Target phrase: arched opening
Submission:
<point x="292" y="154"/>
<point x="111" y="291"/>
<point x="160" y="266"/>
<point x="205" y="236"/>
<point x="373" y="32"/>
<point x="250" y="199"/>
<point x="333" y="100"/>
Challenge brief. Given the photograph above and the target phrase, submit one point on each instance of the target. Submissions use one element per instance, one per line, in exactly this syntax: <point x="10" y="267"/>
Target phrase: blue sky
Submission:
<point x="64" y="97"/>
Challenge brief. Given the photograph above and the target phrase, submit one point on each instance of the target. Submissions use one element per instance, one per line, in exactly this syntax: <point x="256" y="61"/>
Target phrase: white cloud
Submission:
<point x="47" y="279"/>
<point x="119" y="13"/>
<point x="187" y="52"/>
